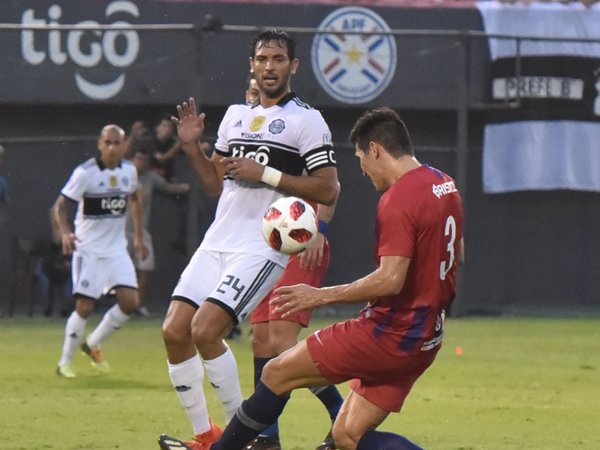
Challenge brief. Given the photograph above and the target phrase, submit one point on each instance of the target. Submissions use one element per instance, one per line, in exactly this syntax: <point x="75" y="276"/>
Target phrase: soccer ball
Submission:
<point x="289" y="225"/>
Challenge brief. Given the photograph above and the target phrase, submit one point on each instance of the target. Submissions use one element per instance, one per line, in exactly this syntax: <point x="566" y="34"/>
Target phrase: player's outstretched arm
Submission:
<point x="387" y="279"/>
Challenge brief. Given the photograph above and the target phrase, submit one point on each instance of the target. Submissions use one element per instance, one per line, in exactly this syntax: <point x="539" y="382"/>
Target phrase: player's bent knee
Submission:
<point x="174" y="336"/>
<point x="277" y="376"/>
<point x="207" y="335"/>
<point x="128" y="300"/>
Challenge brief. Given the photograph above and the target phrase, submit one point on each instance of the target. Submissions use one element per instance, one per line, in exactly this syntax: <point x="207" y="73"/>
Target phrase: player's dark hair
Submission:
<point x="385" y="127"/>
<point x="283" y="39"/>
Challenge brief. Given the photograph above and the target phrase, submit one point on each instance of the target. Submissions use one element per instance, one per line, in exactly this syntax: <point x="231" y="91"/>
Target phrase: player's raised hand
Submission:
<point x="190" y="124"/>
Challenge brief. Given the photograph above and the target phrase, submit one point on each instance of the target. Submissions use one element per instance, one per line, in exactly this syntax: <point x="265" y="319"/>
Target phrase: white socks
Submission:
<point x="187" y="378"/>
<point x="113" y="319"/>
<point x="222" y="373"/>
<point x="74" y="330"/>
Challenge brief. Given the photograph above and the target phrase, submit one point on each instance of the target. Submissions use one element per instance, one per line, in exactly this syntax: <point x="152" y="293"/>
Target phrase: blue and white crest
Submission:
<point x="353" y="67"/>
<point x="277" y="126"/>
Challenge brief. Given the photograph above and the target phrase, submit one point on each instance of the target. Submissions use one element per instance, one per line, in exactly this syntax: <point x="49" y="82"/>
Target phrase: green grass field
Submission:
<point x="519" y="384"/>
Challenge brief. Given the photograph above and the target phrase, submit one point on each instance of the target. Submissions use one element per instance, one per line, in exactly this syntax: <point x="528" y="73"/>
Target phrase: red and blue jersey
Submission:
<point x="420" y="217"/>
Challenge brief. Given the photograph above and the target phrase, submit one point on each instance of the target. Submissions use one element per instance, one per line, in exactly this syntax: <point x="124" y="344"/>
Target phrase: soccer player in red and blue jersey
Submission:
<point x="418" y="246"/>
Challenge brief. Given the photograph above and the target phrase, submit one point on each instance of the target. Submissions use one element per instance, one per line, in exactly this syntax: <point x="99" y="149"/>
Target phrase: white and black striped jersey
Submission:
<point x="101" y="195"/>
<point x="291" y="137"/>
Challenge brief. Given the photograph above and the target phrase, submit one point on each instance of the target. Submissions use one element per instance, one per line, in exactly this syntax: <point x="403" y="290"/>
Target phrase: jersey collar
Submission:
<point x="286" y="98"/>
<point x="282" y="102"/>
<point x="101" y="163"/>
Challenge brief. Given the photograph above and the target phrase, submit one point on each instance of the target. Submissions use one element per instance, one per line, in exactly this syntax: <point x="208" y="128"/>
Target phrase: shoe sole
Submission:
<point x="100" y="368"/>
<point x="62" y="375"/>
<point x="168" y="443"/>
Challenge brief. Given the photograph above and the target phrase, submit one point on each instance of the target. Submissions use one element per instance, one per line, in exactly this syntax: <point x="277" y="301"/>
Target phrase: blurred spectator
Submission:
<point x="148" y="182"/>
<point x="4" y="197"/>
<point x="162" y="145"/>
<point x="55" y="277"/>
<point x="4" y="242"/>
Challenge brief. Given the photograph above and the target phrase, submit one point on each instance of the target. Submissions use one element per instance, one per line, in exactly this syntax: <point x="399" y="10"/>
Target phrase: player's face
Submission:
<point x="272" y="69"/>
<point x="252" y="93"/>
<point x="111" y="148"/>
<point x="369" y="167"/>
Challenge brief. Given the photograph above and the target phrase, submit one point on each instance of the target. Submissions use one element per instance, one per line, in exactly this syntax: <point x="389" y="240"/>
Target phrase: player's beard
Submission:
<point x="277" y="92"/>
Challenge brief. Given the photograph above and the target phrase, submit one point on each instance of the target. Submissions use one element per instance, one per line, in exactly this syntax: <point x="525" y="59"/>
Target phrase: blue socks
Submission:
<point x="330" y="397"/>
<point x="257" y="413"/>
<point x="381" y="440"/>
<point x="259" y="364"/>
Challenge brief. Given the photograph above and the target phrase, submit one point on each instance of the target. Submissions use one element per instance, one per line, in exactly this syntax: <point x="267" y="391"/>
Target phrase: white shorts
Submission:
<point x="141" y="264"/>
<point x="235" y="281"/>
<point x="93" y="274"/>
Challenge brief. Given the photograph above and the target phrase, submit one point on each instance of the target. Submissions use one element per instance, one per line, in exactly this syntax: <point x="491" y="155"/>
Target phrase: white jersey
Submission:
<point x="290" y="137"/>
<point x="101" y="195"/>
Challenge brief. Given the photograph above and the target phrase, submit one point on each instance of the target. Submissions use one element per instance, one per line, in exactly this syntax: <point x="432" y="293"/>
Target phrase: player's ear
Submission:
<point x="251" y="61"/>
<point x="374" y="149"/>
<point x="295" y="65"/>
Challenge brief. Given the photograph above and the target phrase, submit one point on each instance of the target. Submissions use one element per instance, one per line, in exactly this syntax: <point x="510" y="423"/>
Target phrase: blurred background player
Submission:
<point x="234" y="268"/>
<point x="148" y="182"/>
<point x="100" y="189"/>
<point x="418" y="247"/>
<point x="253" y="92"/>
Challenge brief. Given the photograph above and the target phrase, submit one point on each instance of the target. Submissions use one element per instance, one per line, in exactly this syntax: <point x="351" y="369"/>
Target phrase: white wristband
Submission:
<point x="271" y="176"/>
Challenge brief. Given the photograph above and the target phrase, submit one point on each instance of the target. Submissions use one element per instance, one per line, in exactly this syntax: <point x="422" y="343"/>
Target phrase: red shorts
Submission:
<point x="380" y="372"/>
<point x="293" y="274"/>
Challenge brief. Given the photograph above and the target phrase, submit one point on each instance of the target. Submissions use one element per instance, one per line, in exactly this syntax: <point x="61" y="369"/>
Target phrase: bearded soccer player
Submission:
<point x="279" y="146"/>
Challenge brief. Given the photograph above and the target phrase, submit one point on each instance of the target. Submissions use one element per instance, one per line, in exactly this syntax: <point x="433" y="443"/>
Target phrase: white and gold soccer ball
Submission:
<point x="289" y="225"/>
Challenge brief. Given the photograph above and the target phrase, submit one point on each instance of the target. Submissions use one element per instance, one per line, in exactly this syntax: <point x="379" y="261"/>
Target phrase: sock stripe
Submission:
<point x="255" y="286"/>
<point x="248" y="421"/>
<point x="317" y="389"/>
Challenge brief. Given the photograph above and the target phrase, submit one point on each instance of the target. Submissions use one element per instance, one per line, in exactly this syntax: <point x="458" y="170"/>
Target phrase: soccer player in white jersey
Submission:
<point x="277" y="147"/>
<point x="100" y="189"/>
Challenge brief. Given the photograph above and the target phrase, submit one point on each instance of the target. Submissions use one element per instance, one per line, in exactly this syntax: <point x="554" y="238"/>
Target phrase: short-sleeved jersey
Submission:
<point x="291" y="137"/>
<point x="101" y="195"/>
<point x="419" y="217"/>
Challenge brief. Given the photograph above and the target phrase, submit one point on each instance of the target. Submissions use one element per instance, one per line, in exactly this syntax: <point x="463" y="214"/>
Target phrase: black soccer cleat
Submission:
<point x="170" y="443"/>
<point x="264" y="443"/>
<point x="328" y="443"/>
